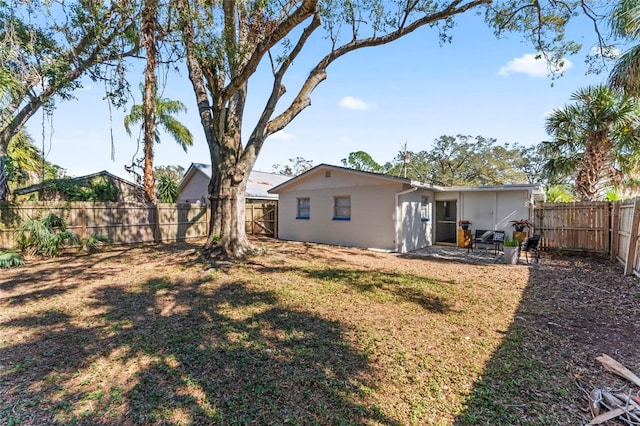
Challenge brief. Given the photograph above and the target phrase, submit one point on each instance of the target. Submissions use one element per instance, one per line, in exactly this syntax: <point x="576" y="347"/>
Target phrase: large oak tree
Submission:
<point x="226" y="42"/>
<point x="46" y="47"/>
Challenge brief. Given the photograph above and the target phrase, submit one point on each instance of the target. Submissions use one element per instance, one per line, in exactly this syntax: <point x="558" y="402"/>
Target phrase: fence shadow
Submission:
<point x="571" y="312"/>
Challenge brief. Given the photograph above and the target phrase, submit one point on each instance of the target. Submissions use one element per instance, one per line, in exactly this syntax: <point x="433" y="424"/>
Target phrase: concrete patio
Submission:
<point x="478" y="256"/>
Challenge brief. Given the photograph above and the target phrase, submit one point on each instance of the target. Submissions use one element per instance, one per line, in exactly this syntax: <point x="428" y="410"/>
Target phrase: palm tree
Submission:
<point x="8" y="87"/>
<point x="164" y="109"/>
<point x="167" y="189"/>
<point x="625" y="22"/>
<point x="594" y="140"/>
<point x="25" y="161"/>
<point x="558" y="194"/>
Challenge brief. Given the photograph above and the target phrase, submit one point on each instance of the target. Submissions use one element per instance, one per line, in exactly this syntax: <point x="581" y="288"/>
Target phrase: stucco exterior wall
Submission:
<point x="372" y="223"/>
<point x="494" y="209"/>
<point x="512" y="206"/>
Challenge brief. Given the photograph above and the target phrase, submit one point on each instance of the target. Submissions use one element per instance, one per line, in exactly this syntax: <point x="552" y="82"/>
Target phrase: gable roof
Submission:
<point x="374" y="175"/>
<point x="536" y="190"/>
<point x="49" y="182"/>
<point x="258" y="185"/>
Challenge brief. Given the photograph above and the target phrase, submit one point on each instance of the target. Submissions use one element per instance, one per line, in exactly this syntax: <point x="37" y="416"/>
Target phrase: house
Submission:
<point x="194" y="186"/>
<point x="100" y="186"/>
<point x="341" y="206"/>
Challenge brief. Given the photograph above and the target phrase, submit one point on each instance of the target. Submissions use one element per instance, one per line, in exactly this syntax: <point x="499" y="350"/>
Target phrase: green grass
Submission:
<point x="151" y="336"/>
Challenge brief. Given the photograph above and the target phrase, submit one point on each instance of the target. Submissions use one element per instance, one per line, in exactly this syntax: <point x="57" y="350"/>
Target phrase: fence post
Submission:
<point x="614" y="222"/>
<point x="275" y="220"/>
<point x="156" y="227"/>
<point x="633" y="239"/>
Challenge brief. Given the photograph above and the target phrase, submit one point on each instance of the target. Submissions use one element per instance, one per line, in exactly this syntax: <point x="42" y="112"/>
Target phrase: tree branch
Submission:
<point x="306" y="9"/>
<point x="319" y="72"/>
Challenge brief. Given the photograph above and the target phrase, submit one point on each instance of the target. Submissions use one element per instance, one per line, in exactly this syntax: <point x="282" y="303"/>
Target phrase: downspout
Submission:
<point x="400" y="216"/>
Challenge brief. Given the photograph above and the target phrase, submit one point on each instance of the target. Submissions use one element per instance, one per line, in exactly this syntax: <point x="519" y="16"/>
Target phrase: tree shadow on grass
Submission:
<point x="407" y="287"/>
<point x="201" y="355"/>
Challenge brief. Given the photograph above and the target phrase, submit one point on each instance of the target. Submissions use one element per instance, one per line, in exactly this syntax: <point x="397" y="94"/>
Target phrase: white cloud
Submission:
<point x="350" y="102"/>
<point x="530" y="65"/>
<point x="608" y="52"/>
<point x="281" y="136"/>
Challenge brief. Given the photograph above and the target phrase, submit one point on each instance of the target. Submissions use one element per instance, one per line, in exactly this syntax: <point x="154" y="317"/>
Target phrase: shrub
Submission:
<point x="95" y="242"/>
<point x="46" y="236"/>
<point x="10" y="259"/>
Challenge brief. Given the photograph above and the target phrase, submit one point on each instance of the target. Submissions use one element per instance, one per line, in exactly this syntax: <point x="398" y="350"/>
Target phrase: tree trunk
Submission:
<point x="149" y="42"/>
<point x="4" y="184"/>
<point x="227" y="235"/>
<point x="593" y="172"/>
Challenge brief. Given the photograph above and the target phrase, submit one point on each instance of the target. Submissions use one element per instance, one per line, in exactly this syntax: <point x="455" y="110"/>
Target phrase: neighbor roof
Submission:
<point x="40" y="186"/>
<point x="258" y="185"/>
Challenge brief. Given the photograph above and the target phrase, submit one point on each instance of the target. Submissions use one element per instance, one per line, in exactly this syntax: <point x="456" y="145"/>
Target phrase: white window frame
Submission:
<point x="342" y="207"/>
<point x="425" y="215"/>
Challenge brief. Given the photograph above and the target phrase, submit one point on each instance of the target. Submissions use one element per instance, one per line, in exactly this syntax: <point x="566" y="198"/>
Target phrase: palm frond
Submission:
<point x="10" y="259"/>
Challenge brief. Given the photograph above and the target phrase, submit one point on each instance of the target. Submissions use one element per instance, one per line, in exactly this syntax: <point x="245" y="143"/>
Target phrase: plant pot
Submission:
<point x="464" y="226"/>
<point x="519" y="228"/>
<point x="511" y="255"/>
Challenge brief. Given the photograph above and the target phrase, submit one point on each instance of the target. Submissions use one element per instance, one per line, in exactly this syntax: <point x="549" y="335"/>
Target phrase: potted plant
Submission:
<point x="511" y="247"/>
<point x="464" y="224"/>
<point x="519" y="225"/>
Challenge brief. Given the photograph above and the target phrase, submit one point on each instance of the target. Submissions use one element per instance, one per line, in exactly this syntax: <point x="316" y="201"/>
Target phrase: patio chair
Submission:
<point x="481" y="236"/>
<point x="531" y="244"/>
<point x="498" y="240"/>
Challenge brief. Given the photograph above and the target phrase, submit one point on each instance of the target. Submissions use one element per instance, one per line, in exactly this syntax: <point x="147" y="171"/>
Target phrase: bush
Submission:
<point x="10" y="259"/>
<point x="46" y="236"/>
<point x="95" y="242"/>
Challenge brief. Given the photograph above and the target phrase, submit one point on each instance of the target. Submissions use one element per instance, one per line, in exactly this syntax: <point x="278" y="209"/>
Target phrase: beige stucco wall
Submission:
<point x="373" y="212"/>
<point x="494" y="209"/>
<point x="371" y="224"/>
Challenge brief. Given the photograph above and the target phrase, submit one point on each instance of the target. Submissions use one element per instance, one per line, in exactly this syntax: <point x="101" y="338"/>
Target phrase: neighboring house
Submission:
<point x="194" y="186"/>
<point x="103" y="185"/>
<point x="341" y="206"/>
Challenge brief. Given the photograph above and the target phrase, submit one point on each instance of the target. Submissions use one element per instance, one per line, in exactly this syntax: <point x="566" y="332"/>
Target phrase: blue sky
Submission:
<point x="377" y="100"/>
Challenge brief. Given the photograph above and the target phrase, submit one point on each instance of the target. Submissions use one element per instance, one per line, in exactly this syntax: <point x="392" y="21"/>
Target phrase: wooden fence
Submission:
<point x="624" y="234"/>
<point x="126" y="223"/>
<point x="580" y="226"/>
<point x="600" y="227"/>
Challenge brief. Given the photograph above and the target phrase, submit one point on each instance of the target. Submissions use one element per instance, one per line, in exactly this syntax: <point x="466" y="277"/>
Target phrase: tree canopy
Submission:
<point x="48" y="48"/>
<point x="225" y="43"/>
<point x="45" y="47"/>
<point x="596" y="141"/>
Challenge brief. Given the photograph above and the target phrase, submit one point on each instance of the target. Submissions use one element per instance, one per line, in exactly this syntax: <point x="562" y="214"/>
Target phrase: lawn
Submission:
<point x="307" y="334"/>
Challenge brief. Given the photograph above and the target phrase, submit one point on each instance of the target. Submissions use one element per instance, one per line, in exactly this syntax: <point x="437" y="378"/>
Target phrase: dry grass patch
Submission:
<point x="304" y="334"/>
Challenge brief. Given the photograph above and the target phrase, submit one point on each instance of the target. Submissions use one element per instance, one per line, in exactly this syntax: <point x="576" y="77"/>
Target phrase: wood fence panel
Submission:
<point x="625" y="221"/>
<point x="182" y="221"/>
<point x="582" y="226"/>
<point x="127" y="223"/>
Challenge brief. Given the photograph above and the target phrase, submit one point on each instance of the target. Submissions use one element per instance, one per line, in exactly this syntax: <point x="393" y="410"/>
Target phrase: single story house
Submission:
<point x="194" y="186"/>
<point x="341" y="206"/>
<point x="101" y="185"/>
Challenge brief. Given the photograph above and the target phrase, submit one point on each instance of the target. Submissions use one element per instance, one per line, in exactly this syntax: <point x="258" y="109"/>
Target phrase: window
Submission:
<point x="424" y="208"/>
<point x="342" y="208"/>
<point x="303" y="208"/>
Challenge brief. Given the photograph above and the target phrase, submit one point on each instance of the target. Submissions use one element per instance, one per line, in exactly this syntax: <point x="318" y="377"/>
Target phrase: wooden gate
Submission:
<point x="261" y="218"/>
